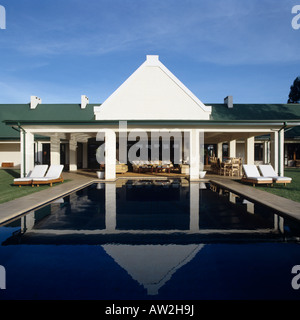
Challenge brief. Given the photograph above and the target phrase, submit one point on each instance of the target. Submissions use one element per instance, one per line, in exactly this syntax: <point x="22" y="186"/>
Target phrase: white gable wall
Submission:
<point x="152" y="93"/>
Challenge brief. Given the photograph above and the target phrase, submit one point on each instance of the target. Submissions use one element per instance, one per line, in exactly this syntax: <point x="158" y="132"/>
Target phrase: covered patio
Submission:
<point x="184" y="149"/>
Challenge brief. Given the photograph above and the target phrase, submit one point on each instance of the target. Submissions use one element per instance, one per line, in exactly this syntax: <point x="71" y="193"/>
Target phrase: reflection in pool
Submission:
<point x="162" y="239"/>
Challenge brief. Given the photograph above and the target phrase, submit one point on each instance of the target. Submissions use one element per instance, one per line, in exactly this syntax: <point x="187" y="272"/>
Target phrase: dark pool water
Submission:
<point x="150" y="240"/>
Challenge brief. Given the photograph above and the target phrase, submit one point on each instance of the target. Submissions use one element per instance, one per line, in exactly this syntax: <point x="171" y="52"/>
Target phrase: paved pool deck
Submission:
<point x="286" y="207"/>
<point x="17" y="207"/>
<point x="14" y="209"/>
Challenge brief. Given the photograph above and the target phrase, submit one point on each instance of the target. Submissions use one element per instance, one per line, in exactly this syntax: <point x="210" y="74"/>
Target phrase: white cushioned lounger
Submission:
<point x="253" y="176"/>
<point x="53" y="175"/>
<point x="37" y="172"/>
<point x="268" y="171"/>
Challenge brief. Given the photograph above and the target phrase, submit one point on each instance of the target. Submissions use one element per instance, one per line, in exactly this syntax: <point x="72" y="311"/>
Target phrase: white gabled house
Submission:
<point x="151" y="100"/>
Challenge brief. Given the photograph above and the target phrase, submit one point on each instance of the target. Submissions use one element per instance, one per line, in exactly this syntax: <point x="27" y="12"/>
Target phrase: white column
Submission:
<point x="39" y="152"/>
<point x="274" y="150"/>
<point x="22" y="155"/>
<point x="194" y="206"/>
<point x="249" y="150"/>
<point x="266" y="152"/>
<point x="110" y="155"/>
<point x="27" y="152"/>
<point x="194" y="154"/>
<point x="28" y="221"/>
<point x="84" y="155"/>
<point x="220" y="150"/>
<point x="232" y="149"/>
<point x="54" y="150"/>
<point x="186" y="147"/>
<point x="278" y="223"/>
<point x="73" y="153"/>
<point x="110" y="207"/>
<point x="250" y="207"/>
<point x="232" y="197"/>
<point x="281" y="153"/>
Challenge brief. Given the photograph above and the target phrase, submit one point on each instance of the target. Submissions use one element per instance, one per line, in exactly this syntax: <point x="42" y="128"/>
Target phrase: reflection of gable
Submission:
<point x="152" y="265"/>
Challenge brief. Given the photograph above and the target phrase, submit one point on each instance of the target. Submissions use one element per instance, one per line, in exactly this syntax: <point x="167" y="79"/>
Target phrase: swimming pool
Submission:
<point x="151" y="239"/>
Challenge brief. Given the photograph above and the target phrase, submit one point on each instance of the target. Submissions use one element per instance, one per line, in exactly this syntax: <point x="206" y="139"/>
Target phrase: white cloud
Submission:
<point x="222" y="31"/>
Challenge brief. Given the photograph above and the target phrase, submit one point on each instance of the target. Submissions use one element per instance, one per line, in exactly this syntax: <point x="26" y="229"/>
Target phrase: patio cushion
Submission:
<point x="268" y="171"/>
<point x="54" y="171"/>
<point x="251" y="171"/>
<point x="260" y="178"/>
<point x="282" y="178"/>
<point x="37" y="172"/>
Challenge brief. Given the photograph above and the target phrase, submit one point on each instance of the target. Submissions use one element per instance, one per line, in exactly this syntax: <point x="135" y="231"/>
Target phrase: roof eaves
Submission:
<point x="289" y="122"/>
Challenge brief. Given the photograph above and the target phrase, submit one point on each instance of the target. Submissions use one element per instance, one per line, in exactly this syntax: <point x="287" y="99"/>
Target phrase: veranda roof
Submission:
<point x="72" y="113"/>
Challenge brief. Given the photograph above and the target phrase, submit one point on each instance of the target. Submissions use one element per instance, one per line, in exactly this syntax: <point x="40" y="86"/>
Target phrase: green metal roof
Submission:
<point x="54" y="112"/>
<point x="293" y="133"/>
<point x="71" y="113"/>
<point x="256" y="112"/>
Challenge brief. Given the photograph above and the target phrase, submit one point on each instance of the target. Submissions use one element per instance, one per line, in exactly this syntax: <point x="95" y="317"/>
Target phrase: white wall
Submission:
<point x="152" y="93"/>
<point x="10" y="152"/>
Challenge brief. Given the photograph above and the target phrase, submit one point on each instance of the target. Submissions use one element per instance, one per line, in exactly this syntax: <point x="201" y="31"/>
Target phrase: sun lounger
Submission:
<point x="53" y="175"/>
<point x="268" y="171"/>
<point x="37" y="172"/>
<point x="251" y="175"/>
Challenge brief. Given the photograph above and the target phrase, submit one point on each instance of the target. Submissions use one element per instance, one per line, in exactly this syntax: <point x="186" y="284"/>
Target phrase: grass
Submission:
<point x="8" y="191"/>
<point x="291" y="191"/>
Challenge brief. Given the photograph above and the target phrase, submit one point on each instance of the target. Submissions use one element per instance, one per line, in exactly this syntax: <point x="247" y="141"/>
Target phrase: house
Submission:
<point x="152" y="102"/>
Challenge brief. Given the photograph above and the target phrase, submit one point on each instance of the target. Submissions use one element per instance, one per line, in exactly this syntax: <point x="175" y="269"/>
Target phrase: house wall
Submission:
<point x="152" y="93"/>
<point x="10" y="152"/>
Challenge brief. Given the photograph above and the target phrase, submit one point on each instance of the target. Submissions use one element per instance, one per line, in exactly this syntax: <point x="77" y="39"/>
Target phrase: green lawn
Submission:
<point x="291" y="191"/>
<point x="8" y="191"/>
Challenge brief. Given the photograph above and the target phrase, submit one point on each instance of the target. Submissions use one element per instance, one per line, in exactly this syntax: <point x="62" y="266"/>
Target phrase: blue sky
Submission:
<point x="59" y="50"/>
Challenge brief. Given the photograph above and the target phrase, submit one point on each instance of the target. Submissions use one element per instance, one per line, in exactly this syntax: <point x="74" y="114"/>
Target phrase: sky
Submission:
<point x="60" y="49"/>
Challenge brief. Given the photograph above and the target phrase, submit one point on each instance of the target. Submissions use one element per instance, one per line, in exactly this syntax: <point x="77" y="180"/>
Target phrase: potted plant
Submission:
<point x="101" y="173"/>
<point x="202" y="174"/>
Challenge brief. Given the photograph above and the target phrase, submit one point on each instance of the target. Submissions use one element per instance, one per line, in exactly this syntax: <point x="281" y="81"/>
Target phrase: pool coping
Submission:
<point x="16" y="208"/>
<point x="284" y="206"/>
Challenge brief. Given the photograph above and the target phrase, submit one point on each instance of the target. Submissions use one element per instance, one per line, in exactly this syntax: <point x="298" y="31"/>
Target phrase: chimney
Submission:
<point x="84" y="101"/>
<point x="152" y="60"/>
<point x="34" y="101"/>
<point x="229" y="102"/>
